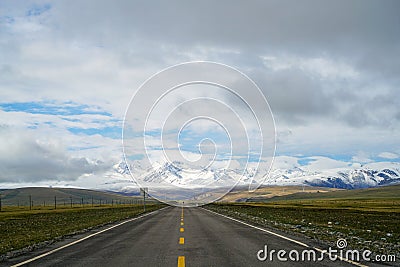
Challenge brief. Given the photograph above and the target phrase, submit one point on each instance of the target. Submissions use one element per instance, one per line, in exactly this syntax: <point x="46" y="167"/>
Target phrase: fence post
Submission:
<point x="144" y="191"/>
<point x="55" y="202"/>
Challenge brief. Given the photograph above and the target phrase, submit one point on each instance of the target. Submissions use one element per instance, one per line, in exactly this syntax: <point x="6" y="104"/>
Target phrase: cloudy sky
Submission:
<point x="330" y="71"/>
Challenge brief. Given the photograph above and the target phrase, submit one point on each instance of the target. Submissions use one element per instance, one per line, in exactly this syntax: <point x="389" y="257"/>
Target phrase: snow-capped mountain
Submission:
<point x="347" y="178"/>
<point x="175" y="174"/>
<point x="317" y="173"/>
<point x="121" y="168"/>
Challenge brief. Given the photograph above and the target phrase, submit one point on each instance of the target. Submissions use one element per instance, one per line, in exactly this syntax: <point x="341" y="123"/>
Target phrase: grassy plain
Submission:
<point x="366" y="218"/>
<point x="20" y="228"/>
<point x="46" y="196"/>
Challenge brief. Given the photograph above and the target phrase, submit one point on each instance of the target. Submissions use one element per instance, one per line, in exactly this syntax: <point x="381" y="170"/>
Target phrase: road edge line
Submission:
<point x="84" y="238"/>
<point x="259" y="228"/>
<point x="283" y="237"/>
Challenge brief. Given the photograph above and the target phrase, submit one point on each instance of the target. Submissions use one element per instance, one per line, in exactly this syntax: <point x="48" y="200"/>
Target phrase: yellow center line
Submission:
<point x="181" y="261"/>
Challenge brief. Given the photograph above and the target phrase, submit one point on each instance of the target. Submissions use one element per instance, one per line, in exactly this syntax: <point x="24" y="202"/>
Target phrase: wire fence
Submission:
<point x="31" y="202"/>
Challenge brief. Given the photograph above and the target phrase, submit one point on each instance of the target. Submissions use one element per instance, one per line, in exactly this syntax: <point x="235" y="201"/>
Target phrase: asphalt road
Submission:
<point x="168" y="238"/>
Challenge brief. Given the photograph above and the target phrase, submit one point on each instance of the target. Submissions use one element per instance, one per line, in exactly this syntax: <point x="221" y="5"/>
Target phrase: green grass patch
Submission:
<point x="381" y="205"/>
<point x="23" y="228"/>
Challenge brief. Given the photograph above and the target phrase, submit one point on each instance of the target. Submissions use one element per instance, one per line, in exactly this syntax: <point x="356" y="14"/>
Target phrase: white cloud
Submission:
<point x="362" y="157"/>
<point x="321" y="67"/>
<point x="388" y="155"/>
<point x="26" y="158"/>
<point x="330" y="74"/>
<point x="324" y="163"/>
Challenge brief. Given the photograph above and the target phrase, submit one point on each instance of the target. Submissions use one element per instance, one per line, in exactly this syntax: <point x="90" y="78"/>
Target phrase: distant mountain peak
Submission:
<point x="368" y="175"/>
<point x="121" y="167"/>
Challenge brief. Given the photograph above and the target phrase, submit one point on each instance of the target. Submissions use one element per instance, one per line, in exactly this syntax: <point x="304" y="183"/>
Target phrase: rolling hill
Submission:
<point x="298" y="193"/>
<point x="46" y="195"/>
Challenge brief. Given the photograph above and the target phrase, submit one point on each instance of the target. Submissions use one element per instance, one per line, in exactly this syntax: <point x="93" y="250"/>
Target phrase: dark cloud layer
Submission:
<point x="308" y="24"/>
<point x="363" y="34"/>
<point x="23" y="158"/>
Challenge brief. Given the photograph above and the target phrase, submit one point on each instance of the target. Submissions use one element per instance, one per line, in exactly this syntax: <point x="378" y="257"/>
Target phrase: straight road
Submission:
<point x="176" y="237"/>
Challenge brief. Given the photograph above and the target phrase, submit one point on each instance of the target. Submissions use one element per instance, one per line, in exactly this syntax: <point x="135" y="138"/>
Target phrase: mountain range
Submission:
<point x="284" y="172"/>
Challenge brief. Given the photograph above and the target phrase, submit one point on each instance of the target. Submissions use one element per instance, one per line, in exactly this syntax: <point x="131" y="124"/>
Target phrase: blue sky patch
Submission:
<point x="52" y="108"/>
<point x="82" y="148"/>
<point x="6" y="20"/>
<point x="305" y="161"/>
<point x="37" y="10"/>
<point x="136" y="157"/>
<point x="110" y="132"/>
